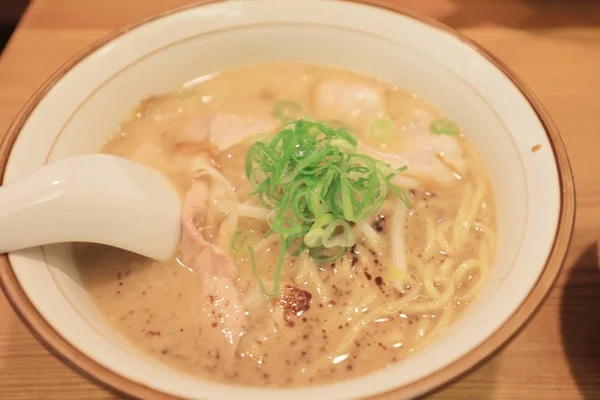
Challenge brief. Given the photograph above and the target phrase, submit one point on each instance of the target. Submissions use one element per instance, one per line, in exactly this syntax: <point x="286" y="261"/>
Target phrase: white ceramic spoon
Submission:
<point x="95" y="198"/>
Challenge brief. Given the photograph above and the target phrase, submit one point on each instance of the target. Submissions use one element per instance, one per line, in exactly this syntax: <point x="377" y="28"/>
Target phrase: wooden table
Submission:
<point x="554" y="45"/>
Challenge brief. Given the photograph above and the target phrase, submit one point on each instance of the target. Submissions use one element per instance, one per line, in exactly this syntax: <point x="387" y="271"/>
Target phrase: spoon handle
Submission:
<point x="98" y="199"/>
<point x="28" y="214"/>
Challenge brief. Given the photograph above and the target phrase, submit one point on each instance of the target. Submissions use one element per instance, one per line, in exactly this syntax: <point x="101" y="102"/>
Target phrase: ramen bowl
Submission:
<point x="77" y="109"/>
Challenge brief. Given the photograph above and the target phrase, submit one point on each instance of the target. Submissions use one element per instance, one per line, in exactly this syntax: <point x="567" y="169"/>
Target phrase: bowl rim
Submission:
<point x="443" y="377"/>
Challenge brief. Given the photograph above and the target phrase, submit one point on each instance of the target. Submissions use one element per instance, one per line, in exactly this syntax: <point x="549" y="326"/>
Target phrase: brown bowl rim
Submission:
<point x="89" y="368"/>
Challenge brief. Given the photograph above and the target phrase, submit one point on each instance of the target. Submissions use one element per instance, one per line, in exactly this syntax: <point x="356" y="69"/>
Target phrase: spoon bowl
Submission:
<point x="97" y="198"/>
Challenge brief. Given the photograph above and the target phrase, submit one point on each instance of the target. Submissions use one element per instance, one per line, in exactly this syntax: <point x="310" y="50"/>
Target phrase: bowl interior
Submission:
<point x="86" y="104"/>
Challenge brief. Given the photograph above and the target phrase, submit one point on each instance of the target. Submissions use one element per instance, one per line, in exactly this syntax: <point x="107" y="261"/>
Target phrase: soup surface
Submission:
<point x="238" y="306"/>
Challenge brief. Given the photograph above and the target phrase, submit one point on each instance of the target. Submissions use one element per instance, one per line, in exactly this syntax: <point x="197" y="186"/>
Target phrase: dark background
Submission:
<point x="10" y="12"/>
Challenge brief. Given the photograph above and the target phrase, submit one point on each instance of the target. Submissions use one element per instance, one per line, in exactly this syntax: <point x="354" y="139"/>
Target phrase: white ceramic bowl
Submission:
<point x="78" y="108"/>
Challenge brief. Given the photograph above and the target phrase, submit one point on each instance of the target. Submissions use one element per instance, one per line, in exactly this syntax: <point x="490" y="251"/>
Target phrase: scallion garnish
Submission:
<point x="311" y="175"/>
<point x="444" y="126"/>
<point x="382" y="130"/>
<point x="237" y="241"/>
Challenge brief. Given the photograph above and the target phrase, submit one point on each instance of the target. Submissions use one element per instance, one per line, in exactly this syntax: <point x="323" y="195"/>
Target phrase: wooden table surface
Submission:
<point x="553" y="45"/>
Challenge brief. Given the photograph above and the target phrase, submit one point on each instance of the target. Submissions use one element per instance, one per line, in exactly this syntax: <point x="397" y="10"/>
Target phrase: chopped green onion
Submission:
<point x="382" y="130"/>
<point x="286" y="110"/>
<point x="401" y="194"/>
<point x="444" y="126"/>
<point x="321" y="255"/>
<point x="332" y="239"/>
<point x="277" y="271"/>
<point x="323" y="221"/>
<point x="296" y="237"/>
<point x="238" y="239"/>
<point x="317" y="185"/>
<point x="314" y="237"/>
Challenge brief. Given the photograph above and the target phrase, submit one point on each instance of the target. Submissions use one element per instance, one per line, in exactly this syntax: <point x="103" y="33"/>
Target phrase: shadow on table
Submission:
<point x="5" y="32"/>
<point x="529" y="14"/>
<point x="10" y="13"/>
<point x="580" y="322"/>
